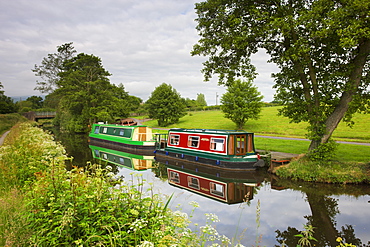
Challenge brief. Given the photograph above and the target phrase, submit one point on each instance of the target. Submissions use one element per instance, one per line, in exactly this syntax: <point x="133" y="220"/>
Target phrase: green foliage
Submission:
<point x="241" y="102"/>
<point x="28" y="150"/>
<point x="6" y="103"/>
<point x="51" y="66"/>
<point x="166" y="105"/>
<point x="9" y="120"/>
<point x="81" y="207"/>
<point x="328" y="172"/>
<point x="201" y="100"/>
<point x="321" y="48"/>
<point x="324" y="152"/>
<point x="37" y="102"/>
<point x="86" y="95"/>
<point x="306" y="236"/>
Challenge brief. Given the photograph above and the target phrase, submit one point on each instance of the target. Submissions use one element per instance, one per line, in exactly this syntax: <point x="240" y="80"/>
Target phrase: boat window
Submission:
<point x="174" y="139"/>
<point x="121" y="132"/>
<point x="240" y="144"/>
<point x="217" y="189"/>
<point x="121" y="161"/>
<point x="217" y="144"/>
<point x="96" y="153"/>
<point x="105" y="156"/>
<point x="105" y="130"/>
<point x="174" y="177"/>
<point x="193" y="183"/>
<point x="193" y="141"/>
<point x="96" y="131"/>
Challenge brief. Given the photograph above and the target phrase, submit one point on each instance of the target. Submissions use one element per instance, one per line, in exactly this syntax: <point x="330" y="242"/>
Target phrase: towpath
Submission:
<point x="2" y="138"/>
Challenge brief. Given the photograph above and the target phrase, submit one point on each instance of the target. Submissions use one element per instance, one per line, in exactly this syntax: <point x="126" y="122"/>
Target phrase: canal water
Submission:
<point x="261" y="210"/>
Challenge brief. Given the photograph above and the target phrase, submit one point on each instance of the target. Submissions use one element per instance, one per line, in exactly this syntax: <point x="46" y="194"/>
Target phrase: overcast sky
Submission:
<point x="142" y="43"/>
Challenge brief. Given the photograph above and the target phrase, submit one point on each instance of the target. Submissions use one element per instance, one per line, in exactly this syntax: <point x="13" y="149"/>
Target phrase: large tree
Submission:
<point x="51" y="66"/>
<point x="321" y="47"/>
<point x="166" y="105"/>
<point x="86" y="95"/>
<point x="241" y="102"/>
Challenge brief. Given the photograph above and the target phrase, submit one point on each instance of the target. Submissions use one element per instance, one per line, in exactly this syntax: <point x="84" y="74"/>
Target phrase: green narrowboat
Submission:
<point x="131" y="137"/>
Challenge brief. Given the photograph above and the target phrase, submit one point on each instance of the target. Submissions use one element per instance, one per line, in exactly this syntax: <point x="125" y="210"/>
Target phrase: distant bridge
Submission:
<point x="35" y="115"/>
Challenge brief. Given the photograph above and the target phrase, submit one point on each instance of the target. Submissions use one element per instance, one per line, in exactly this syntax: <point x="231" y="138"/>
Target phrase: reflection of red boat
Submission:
<point x="227" y="186"/>
<point x="220" y="189"/>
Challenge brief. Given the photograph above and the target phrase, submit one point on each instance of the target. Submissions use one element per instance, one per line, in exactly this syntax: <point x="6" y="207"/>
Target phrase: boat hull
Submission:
<point x="122" y="146"/>
<point x="242" y="165"/>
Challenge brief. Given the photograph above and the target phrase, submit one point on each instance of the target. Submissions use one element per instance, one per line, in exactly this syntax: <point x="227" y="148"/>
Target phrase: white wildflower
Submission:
<point x="194" y="204"/>
<point x="146" y="244"/>
<point x="212" y="217"/>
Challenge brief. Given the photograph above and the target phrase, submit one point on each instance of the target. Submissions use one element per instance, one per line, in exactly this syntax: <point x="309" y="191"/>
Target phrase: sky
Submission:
<point x="141" y="43"/>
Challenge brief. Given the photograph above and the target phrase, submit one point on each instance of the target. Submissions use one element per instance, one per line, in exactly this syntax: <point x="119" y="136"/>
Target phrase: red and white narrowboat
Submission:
<point x="227" y="149"/>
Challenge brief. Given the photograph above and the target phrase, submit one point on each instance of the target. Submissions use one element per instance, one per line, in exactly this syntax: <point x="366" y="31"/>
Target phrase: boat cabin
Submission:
<point x="219" y="142"/>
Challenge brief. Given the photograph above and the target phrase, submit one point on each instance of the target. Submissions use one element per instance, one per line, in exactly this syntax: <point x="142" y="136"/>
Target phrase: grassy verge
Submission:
<point x="9" y="120"/>
<point x="330" y="172"/>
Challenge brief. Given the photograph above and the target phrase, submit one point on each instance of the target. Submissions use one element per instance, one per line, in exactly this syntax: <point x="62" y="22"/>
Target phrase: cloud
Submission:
<point x="141" y="43"/>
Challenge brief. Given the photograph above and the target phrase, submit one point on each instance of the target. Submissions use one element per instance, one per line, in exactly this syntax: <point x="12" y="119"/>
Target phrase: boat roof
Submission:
<point x="120" y="125"/>
<point x="210" y="131"/>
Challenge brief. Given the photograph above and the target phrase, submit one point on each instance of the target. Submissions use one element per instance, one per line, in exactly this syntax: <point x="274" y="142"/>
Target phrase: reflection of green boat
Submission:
<point x="129" y="160"/>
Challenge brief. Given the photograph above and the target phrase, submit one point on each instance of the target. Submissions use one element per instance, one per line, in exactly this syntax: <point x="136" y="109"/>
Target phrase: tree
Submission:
<point x="241" y="102"/>
<point x="51" y="66"/>
<point x="201" y="100"/>
<point x="86" y="95"/>
<point x="321" y="48"/>
<point x="166" y="105"/>
<point x="6" y="103"/>
<point x="36" y="101"/>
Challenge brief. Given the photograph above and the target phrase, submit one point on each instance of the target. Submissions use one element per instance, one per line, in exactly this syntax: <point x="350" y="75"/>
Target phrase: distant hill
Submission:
<point x="22" y="98"/>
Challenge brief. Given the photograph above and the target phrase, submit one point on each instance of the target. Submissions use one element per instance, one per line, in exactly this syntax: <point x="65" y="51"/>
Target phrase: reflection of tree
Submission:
<point x="76" y="145"/>
<point x="324" y="210"/>
<point x="160" y="171"/>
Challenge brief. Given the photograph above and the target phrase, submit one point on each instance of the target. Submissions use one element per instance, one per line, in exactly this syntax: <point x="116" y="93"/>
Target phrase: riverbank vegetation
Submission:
<point x="7" y="121"/>
<point x="43" y="204"/>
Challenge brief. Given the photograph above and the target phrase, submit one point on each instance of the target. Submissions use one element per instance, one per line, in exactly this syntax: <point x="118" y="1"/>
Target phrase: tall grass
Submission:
<point x="9" y="120"/>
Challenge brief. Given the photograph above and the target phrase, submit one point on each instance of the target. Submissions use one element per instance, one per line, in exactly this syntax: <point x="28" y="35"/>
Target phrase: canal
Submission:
<point x="258" y="209"/>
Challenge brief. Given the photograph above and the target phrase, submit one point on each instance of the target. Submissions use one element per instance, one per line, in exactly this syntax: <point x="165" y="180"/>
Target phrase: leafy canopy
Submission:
<point x="321" y="47"/>
<point x="241" y="102"/>
<point x="51" y="66"/>
<point x="86" y="95"/>
<point x="166" y="105"/>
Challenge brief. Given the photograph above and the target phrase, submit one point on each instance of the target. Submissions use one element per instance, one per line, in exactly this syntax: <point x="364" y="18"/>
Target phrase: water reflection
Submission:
<point x="266" y="210"/>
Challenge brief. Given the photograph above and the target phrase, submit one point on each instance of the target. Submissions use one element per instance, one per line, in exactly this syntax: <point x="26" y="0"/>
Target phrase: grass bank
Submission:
<point x="270" y="124"/>
<point x="7" y="121"/>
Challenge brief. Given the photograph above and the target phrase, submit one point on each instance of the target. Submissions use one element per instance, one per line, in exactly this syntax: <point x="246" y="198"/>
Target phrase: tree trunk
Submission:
<point x="353" y="84"/>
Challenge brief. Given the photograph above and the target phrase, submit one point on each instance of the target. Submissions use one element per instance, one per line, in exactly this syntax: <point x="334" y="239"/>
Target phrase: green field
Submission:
<point x="270" y="124"/>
